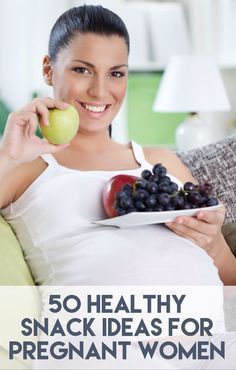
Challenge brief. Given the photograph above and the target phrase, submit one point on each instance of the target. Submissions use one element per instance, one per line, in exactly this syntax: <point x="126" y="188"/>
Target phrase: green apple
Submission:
<point x="63" y="125"/>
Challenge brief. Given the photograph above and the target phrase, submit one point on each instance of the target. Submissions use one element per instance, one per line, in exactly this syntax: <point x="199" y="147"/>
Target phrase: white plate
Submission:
<point x="147" y="218"/>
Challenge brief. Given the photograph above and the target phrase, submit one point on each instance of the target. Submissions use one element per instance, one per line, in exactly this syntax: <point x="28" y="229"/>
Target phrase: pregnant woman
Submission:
<point x="51" y="194"/>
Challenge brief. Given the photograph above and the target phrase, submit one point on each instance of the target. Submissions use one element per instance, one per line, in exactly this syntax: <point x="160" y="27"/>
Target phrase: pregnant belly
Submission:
<point x="150" y="255"/>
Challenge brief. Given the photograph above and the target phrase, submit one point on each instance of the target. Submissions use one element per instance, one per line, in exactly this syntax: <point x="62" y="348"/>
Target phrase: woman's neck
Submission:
<point x="92" y="143"/>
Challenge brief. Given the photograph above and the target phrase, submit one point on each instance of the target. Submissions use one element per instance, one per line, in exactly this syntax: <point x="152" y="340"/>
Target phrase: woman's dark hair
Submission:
<point x="85" y="19"/>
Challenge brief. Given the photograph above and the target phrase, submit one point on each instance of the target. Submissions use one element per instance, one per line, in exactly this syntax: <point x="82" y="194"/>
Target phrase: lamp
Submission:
<point x="192" y="83"/>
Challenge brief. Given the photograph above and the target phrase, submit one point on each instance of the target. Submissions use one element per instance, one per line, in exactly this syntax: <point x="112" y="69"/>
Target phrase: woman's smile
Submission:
<point x="93" y="110"/>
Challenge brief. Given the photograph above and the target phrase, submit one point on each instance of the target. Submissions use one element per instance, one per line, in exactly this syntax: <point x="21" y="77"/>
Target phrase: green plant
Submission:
<point x="4" y="112"/>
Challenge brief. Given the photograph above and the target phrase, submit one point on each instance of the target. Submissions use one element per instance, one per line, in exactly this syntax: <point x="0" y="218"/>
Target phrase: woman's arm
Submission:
<point x="6" y="166"/>
<point x="226" y="263"/>
<point x="20" y="145"/>
<point x="171" y="161"/>
<point x="204" y="229"/>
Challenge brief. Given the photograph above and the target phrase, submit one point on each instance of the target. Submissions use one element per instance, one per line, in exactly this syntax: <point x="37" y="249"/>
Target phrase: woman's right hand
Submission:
<point x="19" y="142"/>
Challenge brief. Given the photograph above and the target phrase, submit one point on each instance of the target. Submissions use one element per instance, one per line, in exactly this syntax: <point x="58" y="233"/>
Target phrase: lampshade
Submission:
<point x="191" y="83"/>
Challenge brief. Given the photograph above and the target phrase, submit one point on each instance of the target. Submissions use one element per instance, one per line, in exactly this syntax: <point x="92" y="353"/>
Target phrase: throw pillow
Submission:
<point x="216" y="163"/>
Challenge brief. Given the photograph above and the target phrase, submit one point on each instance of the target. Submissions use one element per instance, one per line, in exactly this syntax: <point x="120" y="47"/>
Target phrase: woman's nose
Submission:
<point x="98" y="88"/>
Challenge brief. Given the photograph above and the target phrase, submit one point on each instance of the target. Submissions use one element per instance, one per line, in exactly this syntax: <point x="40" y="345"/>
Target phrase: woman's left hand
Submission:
<point x="204" y="229"/>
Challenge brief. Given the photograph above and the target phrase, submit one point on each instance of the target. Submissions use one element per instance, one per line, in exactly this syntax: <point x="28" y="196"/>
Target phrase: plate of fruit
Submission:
<point x="153" y="198"/>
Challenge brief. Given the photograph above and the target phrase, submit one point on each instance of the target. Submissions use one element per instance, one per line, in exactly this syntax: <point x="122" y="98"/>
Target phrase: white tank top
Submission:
<point x="53" y="222"/>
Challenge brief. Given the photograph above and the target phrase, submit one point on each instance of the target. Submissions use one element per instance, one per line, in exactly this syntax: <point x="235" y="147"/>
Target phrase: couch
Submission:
<point x="13" y="271"/>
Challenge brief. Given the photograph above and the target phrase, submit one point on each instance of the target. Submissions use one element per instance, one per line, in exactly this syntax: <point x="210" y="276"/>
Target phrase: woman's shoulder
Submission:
<point x="163" y="154"/>
<point x="170" y="160"/>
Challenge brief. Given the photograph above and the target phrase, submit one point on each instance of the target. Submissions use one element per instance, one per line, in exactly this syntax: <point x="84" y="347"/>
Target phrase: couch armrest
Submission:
<point x="13" y="268"/>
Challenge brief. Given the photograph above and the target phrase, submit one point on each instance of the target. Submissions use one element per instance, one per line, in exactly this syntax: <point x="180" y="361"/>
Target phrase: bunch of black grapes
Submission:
<point x="156" y="192"/>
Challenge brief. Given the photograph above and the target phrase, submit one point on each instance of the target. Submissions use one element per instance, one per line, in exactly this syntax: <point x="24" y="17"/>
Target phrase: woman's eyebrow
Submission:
<point x="84" y="62"/>
<point x="119" y="66"/>
<point x="93" y="66"/>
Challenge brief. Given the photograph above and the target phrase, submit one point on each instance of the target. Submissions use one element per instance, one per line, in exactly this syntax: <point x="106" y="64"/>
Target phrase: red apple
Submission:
<point x="113" y="186"/>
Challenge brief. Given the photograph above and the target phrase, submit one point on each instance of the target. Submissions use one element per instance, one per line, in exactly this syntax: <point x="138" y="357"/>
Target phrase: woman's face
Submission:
<point x="91" y="74"/>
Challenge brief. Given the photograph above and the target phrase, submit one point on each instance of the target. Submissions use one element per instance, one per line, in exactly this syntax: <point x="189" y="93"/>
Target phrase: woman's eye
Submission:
<point x="81" y="70"/>
<point x="117" y="74"/>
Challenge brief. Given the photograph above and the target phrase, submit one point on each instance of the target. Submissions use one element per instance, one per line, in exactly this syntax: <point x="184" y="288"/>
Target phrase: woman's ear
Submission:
<point x="47" y="70"/>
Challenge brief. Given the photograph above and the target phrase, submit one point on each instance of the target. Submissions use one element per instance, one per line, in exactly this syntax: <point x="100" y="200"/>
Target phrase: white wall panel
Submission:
<point x="24" y="34"/>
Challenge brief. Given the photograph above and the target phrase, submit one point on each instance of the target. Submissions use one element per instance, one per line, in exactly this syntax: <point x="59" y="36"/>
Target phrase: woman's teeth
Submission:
<point x="93" y="108"/>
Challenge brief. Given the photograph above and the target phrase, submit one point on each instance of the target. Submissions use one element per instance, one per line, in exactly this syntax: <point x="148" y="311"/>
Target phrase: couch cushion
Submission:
<point x="13" y="268"/>
<point x="216" y="163"/>
<point x="15" y="364"/>
<point x="14" y="271"/>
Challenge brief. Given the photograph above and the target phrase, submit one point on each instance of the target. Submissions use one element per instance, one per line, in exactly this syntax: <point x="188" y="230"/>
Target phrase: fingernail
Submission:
<point x="64" y="103"/>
